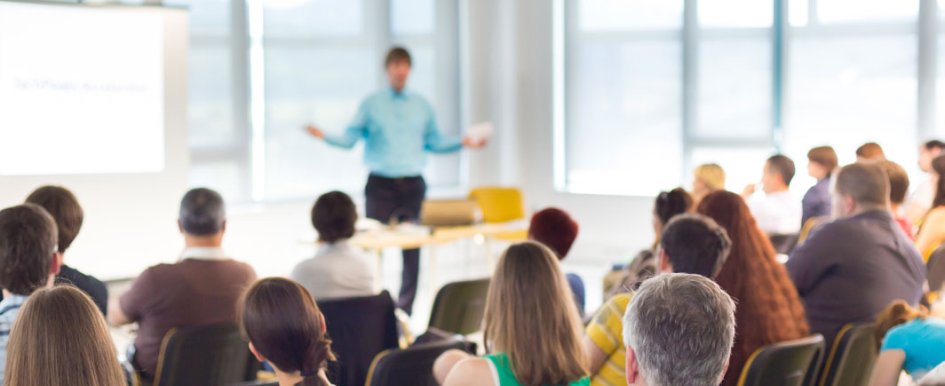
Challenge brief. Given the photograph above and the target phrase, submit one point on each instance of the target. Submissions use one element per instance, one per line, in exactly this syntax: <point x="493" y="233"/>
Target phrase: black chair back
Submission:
<point x="852" y="356"/>
<point x="784" y="243"/>
<point x="792" y="363"/>
<point x="209" y="355"/>
<point x="412" y="366"/>
<point x="935" y="269"/>
<point x="459" y="306"/>
<point x="359" y="328"/>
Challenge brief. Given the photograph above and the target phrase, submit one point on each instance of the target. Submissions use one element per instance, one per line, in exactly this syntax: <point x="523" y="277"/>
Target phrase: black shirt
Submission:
<point x="88" y="284"/>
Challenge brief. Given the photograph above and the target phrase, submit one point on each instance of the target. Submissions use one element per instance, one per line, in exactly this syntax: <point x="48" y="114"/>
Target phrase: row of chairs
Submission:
<point x="798" y="363"/>
<point x="365" y="335"/>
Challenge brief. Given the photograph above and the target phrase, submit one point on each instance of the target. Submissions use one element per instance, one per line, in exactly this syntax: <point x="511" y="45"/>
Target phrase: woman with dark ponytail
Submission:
<point x="285" y="327"/>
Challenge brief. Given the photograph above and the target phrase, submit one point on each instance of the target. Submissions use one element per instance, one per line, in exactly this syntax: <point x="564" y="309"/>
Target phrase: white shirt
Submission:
<point x="920" y="201"/>
<point x="204" y="253"/>
<point x="338" y="270"/>
<point x="777" y="213"/>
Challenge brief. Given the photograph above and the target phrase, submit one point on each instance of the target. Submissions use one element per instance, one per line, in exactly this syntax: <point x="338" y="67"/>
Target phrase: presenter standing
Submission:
<point x="398" y="128"/>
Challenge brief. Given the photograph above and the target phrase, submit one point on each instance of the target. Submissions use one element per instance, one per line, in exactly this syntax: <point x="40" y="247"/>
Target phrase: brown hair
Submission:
<point x="871" y="151"/>
<point x="28" y="240"/>
<point x="898" y="181"/>
<point x="865" y="182"/>
<point x="334" y="216"/>
<point x="824" y="156"/>
<point x="896" y="313"/>
<point x="397" y="55"/>
<point x="554" y="228"/>
<point x="530" y="316"/>
<point x="60" y="338"/>
<point x="282" y="321"/>
<point x="938" y="166"/>
<point x="64" y="208"/>
<point x="784" y="166"/>
<point x="769" y="308"/>
<point x="672" y="203"/>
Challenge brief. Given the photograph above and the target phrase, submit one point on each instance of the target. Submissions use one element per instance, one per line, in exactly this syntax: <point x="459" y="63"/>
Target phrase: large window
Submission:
<point x="679" y="83"/>
<point x="261" y="70"/>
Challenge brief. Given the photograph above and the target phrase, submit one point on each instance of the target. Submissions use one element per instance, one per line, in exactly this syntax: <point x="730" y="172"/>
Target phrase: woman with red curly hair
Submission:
<point x="769" y="308"/>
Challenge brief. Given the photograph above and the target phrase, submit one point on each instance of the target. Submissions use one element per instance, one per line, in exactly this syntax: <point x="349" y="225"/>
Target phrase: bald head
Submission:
<point x="861" y="187"/>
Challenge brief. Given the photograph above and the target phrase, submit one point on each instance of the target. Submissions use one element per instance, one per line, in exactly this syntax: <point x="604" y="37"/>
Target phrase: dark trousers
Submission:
<point x="398" y="199"/>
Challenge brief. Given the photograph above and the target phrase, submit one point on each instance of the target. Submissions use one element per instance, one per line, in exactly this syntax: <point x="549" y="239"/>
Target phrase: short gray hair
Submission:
<point x="680" y="328"/>
<point x="202" y="212"/>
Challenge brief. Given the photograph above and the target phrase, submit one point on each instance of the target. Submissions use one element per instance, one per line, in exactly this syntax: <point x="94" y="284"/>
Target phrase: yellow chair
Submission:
<point x="500" y="205"/>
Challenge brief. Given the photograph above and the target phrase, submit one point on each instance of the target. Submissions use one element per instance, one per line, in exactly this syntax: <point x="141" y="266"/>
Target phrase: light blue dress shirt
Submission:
<point x="9" y="308"/>
<point x="398" y="128"/>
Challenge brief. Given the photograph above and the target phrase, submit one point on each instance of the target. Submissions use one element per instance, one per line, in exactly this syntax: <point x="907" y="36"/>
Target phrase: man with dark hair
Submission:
<point x="777" y="211"/>
<point x="338" y="270"/>
<point x="693" y="243"/>
<point x="850" y="269"/>
<point x="29" y="260"/>
<point x="65" y="209"/>
<point x="201" y="288"/>
<point x="398" y="127"/>
<point x="920" y="201"/>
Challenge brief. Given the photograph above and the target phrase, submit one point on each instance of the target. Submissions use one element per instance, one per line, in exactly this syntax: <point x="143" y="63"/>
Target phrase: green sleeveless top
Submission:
<point x="505" y="376"/>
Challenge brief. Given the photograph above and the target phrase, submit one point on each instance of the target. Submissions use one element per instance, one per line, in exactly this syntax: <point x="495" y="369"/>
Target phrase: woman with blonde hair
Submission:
<point x="60" y="338"/>
<point x="910" y="341"/>
<point x="532" y="329"/>
<point x="707" y="178"/>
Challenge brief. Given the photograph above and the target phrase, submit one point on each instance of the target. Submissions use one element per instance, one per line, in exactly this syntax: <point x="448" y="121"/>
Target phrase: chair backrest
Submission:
<point x="852" y="356"/>
<point x="459" y="306"/>
<point x="209" y="355"/>
<point x="935" y="269"/>
<point x="784" y="243"/>
<point x="499" y="204"/>
<point x="412" y="366"/>
<point x="791" y="363"/>
<point x="359" y="328"/>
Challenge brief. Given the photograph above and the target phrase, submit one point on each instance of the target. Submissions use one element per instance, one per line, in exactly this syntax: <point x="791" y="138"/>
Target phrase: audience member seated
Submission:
<point x="870" y="152"/>
<point x="777" y="211"/>
<point x="898" y="186"/>
<point x="60" y="338"/>
<point x="678" y="331"/>
<point x="202" y="288"/>
<point x="821" y="162"/>
<point x="690" y="244"/>
<point x="645" y="265"/>
<point x="286" y="329"/>
<point x="557" y="230"/>
<point x="852" y="268"/>
<point x="29" y="260"/>
<point x="707" y="178"/>
<point x="911" y="341"/>
<point x="65" y="209"/>
<point x="921" y="199"/>
<point x="530" y="327"/>
<point x="769" y="309"/>
<point x="339" y="269"/>
<point x="932" y="231"/>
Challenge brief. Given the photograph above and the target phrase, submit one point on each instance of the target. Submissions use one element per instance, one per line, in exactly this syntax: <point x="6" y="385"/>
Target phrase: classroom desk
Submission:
<point x="410" y="236"/>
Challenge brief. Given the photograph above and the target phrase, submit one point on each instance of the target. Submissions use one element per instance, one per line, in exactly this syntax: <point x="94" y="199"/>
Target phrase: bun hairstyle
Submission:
<point x="669" y="204"/>
<point x="282" y="321"/>
<point x="896" y="313"/>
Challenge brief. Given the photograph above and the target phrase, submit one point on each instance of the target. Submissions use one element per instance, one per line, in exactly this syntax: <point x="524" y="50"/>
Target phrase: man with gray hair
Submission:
<point x="850" y="269"/>
<point x="679" y="331"/>
<point x="203" y="287"/>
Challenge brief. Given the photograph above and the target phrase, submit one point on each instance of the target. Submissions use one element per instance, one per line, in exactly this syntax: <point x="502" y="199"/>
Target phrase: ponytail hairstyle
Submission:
<point x="669" y="204"/>
<point x="282" y="321"/>
<point x="896" y="313"/>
